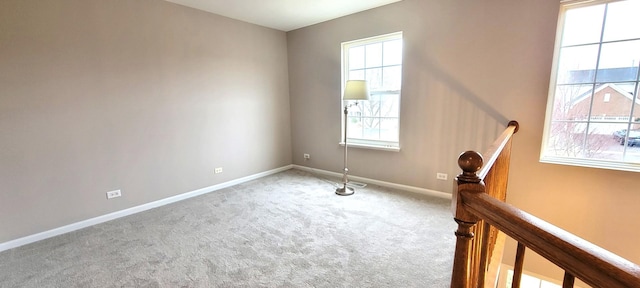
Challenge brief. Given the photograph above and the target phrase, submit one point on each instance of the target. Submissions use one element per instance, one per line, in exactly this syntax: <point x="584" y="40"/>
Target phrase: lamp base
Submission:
<point x="345" y="191"/>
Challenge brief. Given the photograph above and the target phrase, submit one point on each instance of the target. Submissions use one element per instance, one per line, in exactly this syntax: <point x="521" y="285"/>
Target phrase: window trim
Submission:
<point x="371" y="146"/>
<point x="366" y="143"/>
<point x="566" y="5"/>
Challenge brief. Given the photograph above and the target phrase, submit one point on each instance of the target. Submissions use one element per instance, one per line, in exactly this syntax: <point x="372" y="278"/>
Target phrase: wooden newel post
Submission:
<point x="463" y="275"/>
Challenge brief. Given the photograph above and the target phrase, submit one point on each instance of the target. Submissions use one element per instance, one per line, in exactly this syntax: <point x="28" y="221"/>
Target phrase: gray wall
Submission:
<point x="144" y="96"/>
<point x="436" y="99"/>
<point x="149" y="97"/>
<point x="469" y="67"/>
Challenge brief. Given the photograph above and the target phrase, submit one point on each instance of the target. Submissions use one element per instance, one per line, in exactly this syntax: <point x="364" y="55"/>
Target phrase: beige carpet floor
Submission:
<point x="284" y="230"/>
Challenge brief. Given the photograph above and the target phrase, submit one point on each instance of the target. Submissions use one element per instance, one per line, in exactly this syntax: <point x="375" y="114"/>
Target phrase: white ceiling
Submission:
<point x="285" y="15"/>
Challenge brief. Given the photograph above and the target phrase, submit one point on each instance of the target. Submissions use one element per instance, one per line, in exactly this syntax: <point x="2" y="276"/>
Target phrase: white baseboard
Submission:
<point x="137" y="209"/>
<point x="126" y="212"/>
<point x="407" y="188"/>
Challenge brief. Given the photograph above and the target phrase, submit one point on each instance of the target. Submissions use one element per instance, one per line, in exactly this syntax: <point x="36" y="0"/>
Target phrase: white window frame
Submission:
<point x="575" y="161"/>
<point x="369" y="143"/>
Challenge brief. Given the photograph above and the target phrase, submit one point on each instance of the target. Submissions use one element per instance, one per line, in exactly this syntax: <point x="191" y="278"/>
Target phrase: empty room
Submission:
<point x="299" y="143"/>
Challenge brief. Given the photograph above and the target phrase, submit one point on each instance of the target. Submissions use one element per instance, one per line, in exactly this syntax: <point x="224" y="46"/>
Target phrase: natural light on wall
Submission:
<point x="593" y="111"/>
<point x="375" y="123"/>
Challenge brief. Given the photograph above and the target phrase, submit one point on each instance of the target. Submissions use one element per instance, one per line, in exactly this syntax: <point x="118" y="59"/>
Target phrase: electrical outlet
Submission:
<point x="307" y="156"/>
<point x="114" y="194"/>
<point x="217" y="170"/>
<point x="441" y="176"/>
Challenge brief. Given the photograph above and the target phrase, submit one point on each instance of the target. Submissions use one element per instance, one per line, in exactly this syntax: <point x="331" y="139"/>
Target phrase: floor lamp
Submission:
<point x="353" y="90"/>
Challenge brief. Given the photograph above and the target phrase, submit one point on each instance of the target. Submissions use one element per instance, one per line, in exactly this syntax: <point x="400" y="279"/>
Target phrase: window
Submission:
<point x="375" y="123"/>
<point x="593" y="111"/>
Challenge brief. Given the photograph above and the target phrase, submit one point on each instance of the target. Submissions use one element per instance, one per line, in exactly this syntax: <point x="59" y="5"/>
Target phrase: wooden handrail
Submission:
<point x="497" y="147"/>
<point x="588" y="262"/>
<point x="480" y="210"/>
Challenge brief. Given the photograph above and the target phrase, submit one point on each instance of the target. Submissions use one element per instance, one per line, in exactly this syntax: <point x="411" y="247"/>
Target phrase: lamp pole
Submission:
<point x="345" y="191"/>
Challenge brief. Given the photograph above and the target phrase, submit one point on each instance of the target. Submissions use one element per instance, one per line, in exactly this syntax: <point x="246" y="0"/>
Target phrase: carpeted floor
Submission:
<point x="284" y="230"/>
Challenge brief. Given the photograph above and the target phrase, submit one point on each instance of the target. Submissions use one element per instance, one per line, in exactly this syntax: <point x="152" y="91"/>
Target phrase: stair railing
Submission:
<point x="480" y="210"/>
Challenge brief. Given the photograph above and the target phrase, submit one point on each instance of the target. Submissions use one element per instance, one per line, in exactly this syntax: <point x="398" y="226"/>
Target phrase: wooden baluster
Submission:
<point x="568" y="280"/>
<point x="463" y="275"/>
<point x="484" y="253"/>
<point x="518" y="266"/>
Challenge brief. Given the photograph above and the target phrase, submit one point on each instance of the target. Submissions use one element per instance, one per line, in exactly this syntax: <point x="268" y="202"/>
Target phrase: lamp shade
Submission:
<point x="356" y="90"/>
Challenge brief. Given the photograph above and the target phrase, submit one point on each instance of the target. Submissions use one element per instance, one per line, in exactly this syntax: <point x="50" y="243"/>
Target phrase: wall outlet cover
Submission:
<point x="114" y="194"/>
<point x="441" y="176"/>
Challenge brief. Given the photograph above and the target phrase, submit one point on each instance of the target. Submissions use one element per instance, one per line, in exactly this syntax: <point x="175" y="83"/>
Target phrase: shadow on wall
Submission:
<point x="465" y="121"/>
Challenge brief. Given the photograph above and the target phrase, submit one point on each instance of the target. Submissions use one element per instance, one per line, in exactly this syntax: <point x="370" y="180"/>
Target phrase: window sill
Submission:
<point x="590" y="163"/>
<point x="372" y="147"/>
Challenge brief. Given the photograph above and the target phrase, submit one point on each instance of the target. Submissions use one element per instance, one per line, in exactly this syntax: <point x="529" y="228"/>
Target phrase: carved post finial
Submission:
<point x="470" y="162"/>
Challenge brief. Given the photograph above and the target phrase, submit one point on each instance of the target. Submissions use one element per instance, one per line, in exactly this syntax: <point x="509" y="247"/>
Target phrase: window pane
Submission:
<point x="371" y="107"/>
<point x="583" y="25"/>
<point x="390" y="105"/>
<point x="622" y="21"/>
<point x="391" y="78"/>
<point x="374" y="78"/>
<point x="389" y="129"/>
<point x="632" y="154"/>
<point x="602" y="143"/>
<point x="619" y="61"/>
<point x="620" y="133"/>
<point x="374" y="55"/>
<point x="355" y="127"/>
<point x="355" y="110"/>
<point x="632" y="150"/>
<point x="572" y="102"/>
<point x="577" y="64"/>
<point x="356" y="58"/>
<point x="618" y="108"/>
<point x="356" y="75"/>
<point x="371" y="128"/>
<point x="393" y="52"/>
<point x="566" y="139"/>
